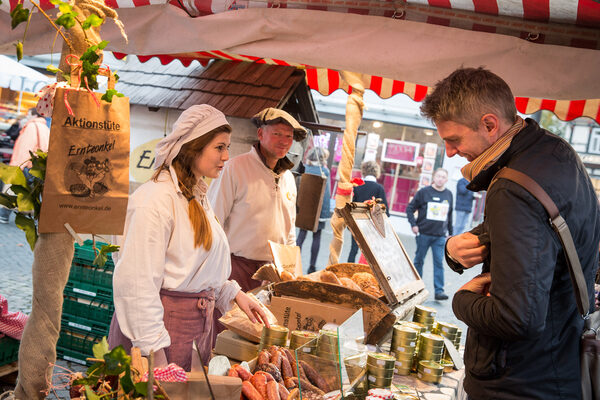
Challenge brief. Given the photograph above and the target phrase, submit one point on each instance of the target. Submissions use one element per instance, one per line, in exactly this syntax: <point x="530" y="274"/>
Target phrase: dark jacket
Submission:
<point x="420" y="204"/>
<point x="316" y="170"/>
<point x="369" y="190"/>
<point x="523" y="339"/>
<point x="464" y="197"/>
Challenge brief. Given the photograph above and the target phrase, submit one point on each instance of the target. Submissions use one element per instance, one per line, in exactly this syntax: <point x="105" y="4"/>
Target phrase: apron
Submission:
<point x="187" y="317"/>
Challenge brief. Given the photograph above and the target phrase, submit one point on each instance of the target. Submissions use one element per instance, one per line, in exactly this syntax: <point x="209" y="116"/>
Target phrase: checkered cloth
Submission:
<point x="11" y="324"/>
<point x="171" y="373"/>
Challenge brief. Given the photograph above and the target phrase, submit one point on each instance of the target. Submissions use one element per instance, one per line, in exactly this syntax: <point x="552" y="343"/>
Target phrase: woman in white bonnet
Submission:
<point x="174" y="260"/>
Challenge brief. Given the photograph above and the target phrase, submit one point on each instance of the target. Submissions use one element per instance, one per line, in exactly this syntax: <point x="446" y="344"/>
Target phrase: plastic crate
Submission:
<point x="77" y="305"/>
<point x="92" y="274"/>
<point x="84" y="325"/>
<point x="9" y="350"/>
<point x="72" y="355"/>
<point x="90" y="290"/>
<point x="79" y="340"/>
<point x="85" y="254"/>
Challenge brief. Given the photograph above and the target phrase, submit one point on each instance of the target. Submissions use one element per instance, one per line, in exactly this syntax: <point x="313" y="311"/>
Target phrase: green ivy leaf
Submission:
<point x="102" y="255"/>
<point x="8" y="201"/>
<point x="27" y="225"/>
<point x="92" y="20"/>
<point x="141" y="388"/>
<point x="12" y="175"/>
<point x="51" y="68"/>
<point x="24" y="198"/>
<point x="101" y="348"/>
<point x="18" y="15"/>
<point x="116" y="360"/>
<point x="19" y="47"/>
<point x="108" y="95"/>
<point x="89" y="394"/>
<point x="117" y="77"/>
<point x="66" y="8"/>
<point x="66" y="20"/>
<point x="102" y="44"/>
<point x="126" y="382"/>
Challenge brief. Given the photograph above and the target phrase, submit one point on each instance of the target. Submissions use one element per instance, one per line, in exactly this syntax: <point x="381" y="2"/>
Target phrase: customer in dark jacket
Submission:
<point x="524" y="327"/>
<point x="463" y="206"/>
<point x="433" y="205"/>
<point x="370" y="171"/>
<point x="316" y="164"/>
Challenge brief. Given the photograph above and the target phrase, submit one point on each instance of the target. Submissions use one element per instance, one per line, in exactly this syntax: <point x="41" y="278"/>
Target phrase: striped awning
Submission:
<point x="326" y="81"/>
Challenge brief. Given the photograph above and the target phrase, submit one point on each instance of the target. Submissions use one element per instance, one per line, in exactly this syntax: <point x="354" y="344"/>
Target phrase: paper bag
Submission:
<point x="286" y="257"/>
<point x="87" y="173"/>
<point x="310" y="201"/>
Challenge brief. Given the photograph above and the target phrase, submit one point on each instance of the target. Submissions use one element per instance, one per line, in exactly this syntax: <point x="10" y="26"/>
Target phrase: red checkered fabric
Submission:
<point x="11" y="323"/>
<point x="171" y="373"/>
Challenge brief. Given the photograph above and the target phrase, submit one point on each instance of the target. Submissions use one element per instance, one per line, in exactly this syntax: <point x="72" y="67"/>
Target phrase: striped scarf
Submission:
<point x="488" y="157"/>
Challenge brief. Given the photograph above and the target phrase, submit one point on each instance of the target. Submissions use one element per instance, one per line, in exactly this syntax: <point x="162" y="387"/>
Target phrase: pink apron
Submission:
<point x="187" y="317"/>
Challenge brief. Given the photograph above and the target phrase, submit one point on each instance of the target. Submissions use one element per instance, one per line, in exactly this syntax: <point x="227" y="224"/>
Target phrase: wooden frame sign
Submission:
<point x="386" y="255"/>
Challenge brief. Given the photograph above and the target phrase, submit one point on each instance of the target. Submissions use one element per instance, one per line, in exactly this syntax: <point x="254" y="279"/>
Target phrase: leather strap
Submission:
<point x="560" y="227"/>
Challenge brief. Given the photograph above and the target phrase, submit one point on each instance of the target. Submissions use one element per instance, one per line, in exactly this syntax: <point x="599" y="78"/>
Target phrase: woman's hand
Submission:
<point x="466" y="249"/>
<point x="252" y="309"/>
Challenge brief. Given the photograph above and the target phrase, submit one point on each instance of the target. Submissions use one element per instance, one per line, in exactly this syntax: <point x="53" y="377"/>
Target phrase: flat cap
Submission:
<point x="271" y="115"/>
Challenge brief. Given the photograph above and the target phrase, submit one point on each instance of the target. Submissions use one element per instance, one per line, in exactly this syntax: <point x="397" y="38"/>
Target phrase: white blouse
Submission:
<point x="158" y="252"/>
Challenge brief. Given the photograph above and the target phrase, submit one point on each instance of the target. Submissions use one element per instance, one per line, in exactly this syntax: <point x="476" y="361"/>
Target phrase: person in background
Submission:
<point x="34" y="136"/>
<point x="317" y="165"/>
<point x="524" y="329"/>
<point x="371" y="172"/>
<point x="463" y="206"/>
<point x="174" y="261"/>
<point x="255" y="196"/>
<point x="433" y="205"/>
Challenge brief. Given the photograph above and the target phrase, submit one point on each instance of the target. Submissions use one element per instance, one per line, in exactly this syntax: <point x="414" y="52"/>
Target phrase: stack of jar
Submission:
<point x="380" y="370"/>
<point x="327" y="345"/>
<point x="431" y="347"/>
<point x="403" y="347"/>
<point x="275" y="335"/>
<point x="304" y="339"/>
<point x="450" y="332"/>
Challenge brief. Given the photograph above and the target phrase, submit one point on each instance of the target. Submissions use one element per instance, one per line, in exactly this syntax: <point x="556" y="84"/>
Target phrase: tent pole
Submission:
<point x="354" y="110"/>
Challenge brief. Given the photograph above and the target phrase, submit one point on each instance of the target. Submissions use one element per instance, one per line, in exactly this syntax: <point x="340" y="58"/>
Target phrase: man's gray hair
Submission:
<point x="370" y="168"/>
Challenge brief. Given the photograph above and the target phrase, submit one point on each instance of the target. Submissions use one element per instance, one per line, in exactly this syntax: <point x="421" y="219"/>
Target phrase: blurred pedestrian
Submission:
<point x="463" y="206"/>
<point x="316" y="164"/>
<point x="34" y="136"/>
<point x="433" y="205"/>
<point x="370" y="173"/>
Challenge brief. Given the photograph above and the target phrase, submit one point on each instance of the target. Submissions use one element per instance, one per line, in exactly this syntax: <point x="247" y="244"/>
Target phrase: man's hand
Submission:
<point x="480" y="284"/>
<point x="415" y="230"/>
<point x="466" y="249"/>
<point x="252" y="309"/>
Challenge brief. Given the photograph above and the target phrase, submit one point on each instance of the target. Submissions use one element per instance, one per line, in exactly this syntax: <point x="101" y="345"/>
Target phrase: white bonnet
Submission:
<point x="194" y="122"/>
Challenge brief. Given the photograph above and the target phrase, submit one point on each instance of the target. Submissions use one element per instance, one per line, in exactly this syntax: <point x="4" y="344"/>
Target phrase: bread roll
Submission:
<point x="350" y="284"/>
<point x="329" y="277"/>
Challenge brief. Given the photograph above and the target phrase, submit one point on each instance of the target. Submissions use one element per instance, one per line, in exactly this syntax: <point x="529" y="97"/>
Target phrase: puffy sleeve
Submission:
<point x="138" y="278"/>
<point x="226" y="294"/>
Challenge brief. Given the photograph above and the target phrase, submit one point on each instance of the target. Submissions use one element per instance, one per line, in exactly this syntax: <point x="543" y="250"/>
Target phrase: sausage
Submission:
<point x="305" y="385"/>
<point x="291" y="359"/>
<point x="259" y="381"/>
<point x="286" y="368"/>
<point x="283" y="392"/>
<point x="275" y="356"/>
<point x="329" y="277"/>
<point x="243" y="372"/>
<point x="314" y="377"/>
<point x="267" y="375"/>
<point x="291" y="383"/>
<point x="250" y="391"/>
<point x="233" y="372"/>
<point x="273" y="391"/>
<point x="263" y="357"/>
<point x="270" y="369"/>
<point x="294" y="394"/>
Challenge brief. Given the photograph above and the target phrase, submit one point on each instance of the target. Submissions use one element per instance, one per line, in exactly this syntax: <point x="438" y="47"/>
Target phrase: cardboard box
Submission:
<point x="235" y="347"/>
<point x="308" y="315"/>
<point x="224" y="387"/>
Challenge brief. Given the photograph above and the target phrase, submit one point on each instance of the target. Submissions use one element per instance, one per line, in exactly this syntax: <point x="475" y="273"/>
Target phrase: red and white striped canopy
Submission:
<point x="548" y="51"/>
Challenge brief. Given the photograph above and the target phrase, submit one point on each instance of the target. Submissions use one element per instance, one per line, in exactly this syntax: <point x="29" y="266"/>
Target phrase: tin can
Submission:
<point x="448" y="365"/>
<point x="375" y="382"/>
<point x="382" y="360"/>
<point x="431" y="340"/>
<point x="404" y="332"/>
<point x="300" y="338"/>
<point x="429" y="371"/>
<point x="403" y="364"/>
<point x="379" y="372"/>
<point x="424" y="310"/>
<point x="446" y="328"/>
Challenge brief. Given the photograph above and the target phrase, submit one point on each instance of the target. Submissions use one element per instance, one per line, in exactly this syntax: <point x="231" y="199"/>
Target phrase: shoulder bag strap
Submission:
<point x="561" y="228"/>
